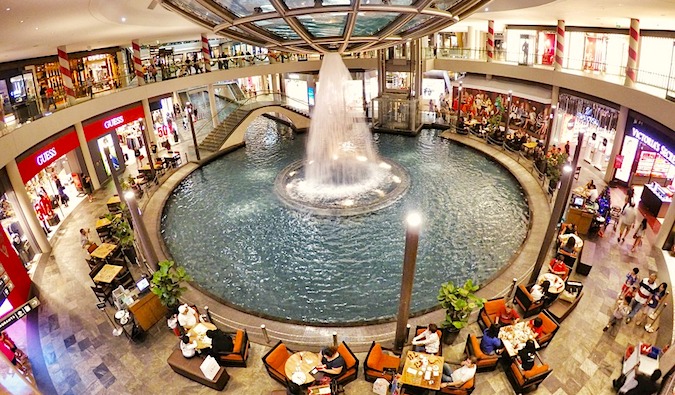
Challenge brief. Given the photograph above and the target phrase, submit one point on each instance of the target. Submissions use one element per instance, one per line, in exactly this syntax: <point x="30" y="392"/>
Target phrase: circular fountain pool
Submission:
<point x="225" y="225"/>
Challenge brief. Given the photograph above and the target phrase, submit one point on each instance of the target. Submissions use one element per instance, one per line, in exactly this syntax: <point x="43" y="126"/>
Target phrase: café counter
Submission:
<point x="656" y="199"/>
<point x="581" y="217"/>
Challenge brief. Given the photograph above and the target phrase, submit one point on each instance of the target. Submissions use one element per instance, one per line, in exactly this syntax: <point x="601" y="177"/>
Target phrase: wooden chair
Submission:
<point x="464" y="389"/>
<point x="527" y="380"/>
<point x="419" y="329"/>
<point x="351" y="369"/>
<point x="379" y="365"/>
<point x="483" y="361"/>
<point x="91" y="263"/>
<point x="275" y="361"/>
<point x="124" y="279"/>
<point x="93" y="272"/>
<point x="92" y="248"/>
<point x="490" y="311"/>
<point x="524" y="299"/>
<point x="103" y="294"/>
<point x="239" y="354"/>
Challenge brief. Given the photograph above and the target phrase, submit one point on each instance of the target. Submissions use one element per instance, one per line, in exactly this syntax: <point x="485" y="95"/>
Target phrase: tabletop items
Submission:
<point x="515" y="336"/>
<point x="299" y="367"/>
<point x="422" y="370"/>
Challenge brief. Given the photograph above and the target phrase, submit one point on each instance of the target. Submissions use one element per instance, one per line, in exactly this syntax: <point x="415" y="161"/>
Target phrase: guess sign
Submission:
<point x="111" y="123"/>
<point x="95" y="128"/>
<point x="46" y="154"/>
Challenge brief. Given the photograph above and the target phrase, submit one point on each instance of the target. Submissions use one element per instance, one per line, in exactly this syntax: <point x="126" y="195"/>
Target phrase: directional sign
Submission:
<point x="18" y="313"/>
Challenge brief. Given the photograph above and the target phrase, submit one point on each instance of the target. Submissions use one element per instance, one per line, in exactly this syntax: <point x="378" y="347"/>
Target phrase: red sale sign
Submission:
<point x="618" y="161"/>
<point x="15" y="270"/>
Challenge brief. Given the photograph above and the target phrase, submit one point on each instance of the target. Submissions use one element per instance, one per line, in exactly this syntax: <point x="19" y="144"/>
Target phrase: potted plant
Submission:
<point x="124" y="236"/>
<point x="166" y="283"/>
<point x="458" y="303"/>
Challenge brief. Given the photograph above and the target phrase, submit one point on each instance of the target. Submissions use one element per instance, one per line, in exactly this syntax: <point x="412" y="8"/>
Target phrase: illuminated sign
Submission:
<point x="45" y="156"/>
<point x="112" y="122"/>
<point x="655" y="145"/>
<point x="97" y="127"/>
<point x="18" y="313"/>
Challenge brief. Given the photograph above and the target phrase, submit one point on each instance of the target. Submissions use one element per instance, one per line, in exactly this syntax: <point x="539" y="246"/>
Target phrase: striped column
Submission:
<point x="491" y="41"/>
<point x="559" y="45"/>
<point x="138" y="66"/>
<point x="633" y="52"/>
<point x="66" y="75"/>
<point x="206" y="53"/>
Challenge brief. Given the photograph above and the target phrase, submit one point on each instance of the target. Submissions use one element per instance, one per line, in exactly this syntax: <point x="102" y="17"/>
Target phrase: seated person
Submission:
<point x="537" y="326"/>
<point x="507" y="315"/>
<point x="187" y="317"/>
<point x="490" y="344"/>
<point x="526" y="355"/>
<point x="557" y="266"/>
<point x="220" y="342"/>
<point x="456" y="378"/>
<point x="332" y="363"/>
<point x="189" y="348"/>
<point x="428" y="340"/>
<point x="539" y="291"/>
<point x="569" y="252"/>
<point x="566" y="229"/>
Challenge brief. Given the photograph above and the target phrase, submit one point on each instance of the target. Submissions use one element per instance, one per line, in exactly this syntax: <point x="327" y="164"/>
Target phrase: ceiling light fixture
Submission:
<point x="124" y="19"/>
<point x="7" y="9"/>
<point x="487" y="9"/>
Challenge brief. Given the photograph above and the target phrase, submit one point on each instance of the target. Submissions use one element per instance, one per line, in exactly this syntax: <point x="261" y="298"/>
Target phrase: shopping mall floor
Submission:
<point x="81" y="356"/>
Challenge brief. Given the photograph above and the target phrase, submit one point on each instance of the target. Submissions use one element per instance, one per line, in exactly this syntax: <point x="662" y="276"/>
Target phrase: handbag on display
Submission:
<point x="54" y="220"/>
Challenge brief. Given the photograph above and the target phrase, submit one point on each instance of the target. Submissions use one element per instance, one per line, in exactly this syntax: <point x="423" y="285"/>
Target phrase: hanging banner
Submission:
<point x="14" y="268"/>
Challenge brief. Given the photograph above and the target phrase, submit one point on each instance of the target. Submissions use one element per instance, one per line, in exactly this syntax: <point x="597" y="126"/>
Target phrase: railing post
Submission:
<point x="264" y="332"/>
<point x="335" y="339"/>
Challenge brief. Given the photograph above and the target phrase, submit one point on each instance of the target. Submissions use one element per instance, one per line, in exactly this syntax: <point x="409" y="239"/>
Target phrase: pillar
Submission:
<point x="149" y="123"/>
<point x="212" y="105"/>
<point x="553" y="120"/>
<point x="491" y="41"/>
<point x="666" y="227"/>
<point x="381" y="71"/>
<point x="206" y="53"/>
<point x="66" y="75"/>
<point x="470" y="38"/>
<point x="559" y="45"/>
<point x="138" y="67"/>
<point x="633" y="53"/>
<point x="88" y="162"/>
<point x="618" y="142"/>
<point x="275" y="83"/>
<point x="27" y="206"/>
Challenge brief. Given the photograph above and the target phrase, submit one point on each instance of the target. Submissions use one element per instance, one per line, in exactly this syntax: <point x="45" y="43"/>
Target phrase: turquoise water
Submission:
<point x="225" y="226"/>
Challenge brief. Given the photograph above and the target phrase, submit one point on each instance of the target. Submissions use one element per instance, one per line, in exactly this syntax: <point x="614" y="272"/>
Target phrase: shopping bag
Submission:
<point x="380" y="386"/>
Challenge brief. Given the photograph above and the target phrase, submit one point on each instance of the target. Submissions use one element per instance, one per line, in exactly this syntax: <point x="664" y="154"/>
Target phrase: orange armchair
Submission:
<point x="351" y="369"/>
<point x="419" y="329"/>
<point x="550" y="328"/>
<point x="377" y="362"/>
<point x="483" y="361"/>
<point x="488" y="314"/>
<point x="464" y="389"/>
<point x="527" y="380"/>
<point x="239" y="354"/>
<point x="524" y="299"/>
<point x="275" y="361"/>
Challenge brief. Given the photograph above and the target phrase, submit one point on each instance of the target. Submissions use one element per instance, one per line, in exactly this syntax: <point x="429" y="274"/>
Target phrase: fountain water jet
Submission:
<point x="342" y="174"/>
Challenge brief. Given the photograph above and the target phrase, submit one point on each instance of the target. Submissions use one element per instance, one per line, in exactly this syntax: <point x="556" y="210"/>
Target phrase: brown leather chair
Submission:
<point x="239" y="354"/>
<point x="378" y="364"/>
<point x="419" y="329"/>
<point x="351" y="369"/>
<point x="524" y="299"/>
<point x="275" y="361"/>
<point x="464" y="389"/>
<point x="483" y="361"/>
<point x="490" y="311"/>
<point x="527" y="380"/>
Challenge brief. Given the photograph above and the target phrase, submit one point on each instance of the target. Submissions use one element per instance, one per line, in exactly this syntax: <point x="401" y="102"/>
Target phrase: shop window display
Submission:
<point x="15" y="228"/>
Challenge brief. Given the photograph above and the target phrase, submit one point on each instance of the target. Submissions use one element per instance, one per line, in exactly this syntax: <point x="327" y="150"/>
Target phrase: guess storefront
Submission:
<point x="111" y="130"/>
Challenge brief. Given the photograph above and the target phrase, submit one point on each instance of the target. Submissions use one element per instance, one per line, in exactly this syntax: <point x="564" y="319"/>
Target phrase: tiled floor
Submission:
<point x="83" y="357"/>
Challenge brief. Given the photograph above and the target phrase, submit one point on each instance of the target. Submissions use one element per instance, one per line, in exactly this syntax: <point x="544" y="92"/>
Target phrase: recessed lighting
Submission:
<point x="487" y="9"/>
<point x="7" y="9"/>
<point x="37" y="28"/>
<point x="20" y="21"/>
<point x="124" y="19"/>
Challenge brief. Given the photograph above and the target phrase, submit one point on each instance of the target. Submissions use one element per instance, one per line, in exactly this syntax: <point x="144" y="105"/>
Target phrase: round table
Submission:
<point x="557" y="283"/>
<point x="301" y="362"/>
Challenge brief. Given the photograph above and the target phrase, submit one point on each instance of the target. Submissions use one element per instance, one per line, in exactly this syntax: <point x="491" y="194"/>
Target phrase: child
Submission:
<point x="631" y="279"/>
<point x="622" y="310"/>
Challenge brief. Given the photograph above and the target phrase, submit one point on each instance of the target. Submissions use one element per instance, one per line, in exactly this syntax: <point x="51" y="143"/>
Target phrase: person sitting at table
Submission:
<point x="85" y="242"/>
<point x="490" y="344"/>
<point x="568" y="250"/>
<point x="187" y="347"/>
<point x="539" y="291"/>
<point x="507" y="315"/>
<point x="187" y="317"/>
<point x="457" y="377"/>
<point x="427" y="341"/>
<point x="557" y="266"/>
<point x="526" y="355"/>
<point x="537" y="326"/>
<point x="593" y="194"/>
<point x="221" y="342"/>
<point x="332" y="362"/>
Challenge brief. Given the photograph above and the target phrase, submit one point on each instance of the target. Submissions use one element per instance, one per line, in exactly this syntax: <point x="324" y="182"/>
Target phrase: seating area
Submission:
<point x="379" y="364"/>
<point x="527" y="380"/>
<point x="526" y="302"/>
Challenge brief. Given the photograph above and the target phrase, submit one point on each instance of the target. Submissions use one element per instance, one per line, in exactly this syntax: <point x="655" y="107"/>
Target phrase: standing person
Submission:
<point x="653" y="302"/>
<point x="620" y="312"/>
<point x="90" y="85"/>
<point x="631" y="279"/>
<point x="427" y="341"/>
<point x="630" y="193"/>
<point x="644" y="385"/>
<point x="627" y="221"/>
<point x="86" y="186"/>
<point x="639" y="234"/>
<point x="645" y="290"/>
<point x="50" y="98"/>
<point x="332" y="363"/>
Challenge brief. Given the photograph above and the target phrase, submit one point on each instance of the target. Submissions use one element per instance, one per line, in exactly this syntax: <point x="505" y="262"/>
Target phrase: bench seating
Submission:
<point x="587" y="258"/>
<point x="189" y="367"/>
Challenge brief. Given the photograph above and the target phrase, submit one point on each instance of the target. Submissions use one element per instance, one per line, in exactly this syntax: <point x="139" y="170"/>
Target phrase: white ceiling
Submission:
<point x="33" y="28"/>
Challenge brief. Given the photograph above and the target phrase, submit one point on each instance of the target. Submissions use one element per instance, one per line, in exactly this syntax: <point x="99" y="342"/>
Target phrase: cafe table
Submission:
<point x="299" y="365"/>
<point x="515" y="336"/>
<point x="147" y="168"/>
<point x="107" y="273"/>
<point x="557" y="283"/>
<point x="103" y="251"/>
<point x="422" y="370"/>
<point x="198" y="333"/>
<point x="530" y="145"/>
<point x="114" y="203"/>
<point x="103" y="222"/>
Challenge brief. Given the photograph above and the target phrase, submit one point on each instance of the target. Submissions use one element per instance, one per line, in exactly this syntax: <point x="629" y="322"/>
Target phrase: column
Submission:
<point x="381" y="71"/>
<point x="149" y="124"/>
<point x="27" y="207"/>
<point x="559" y="45"/>
<point x="491" y="41"/>
<point x="138" y="67"/>
<point x="212" y="105"/>
<point x="88" y="162"/>
<point x="66" y="75"/>
<point x="206" y="53"/>
<point x="633" y="53"/>
<point x="553" y="121"/>
<point x="666" y="227"/>
<point x="470" y="40"/>
<point x="618" y="142"/>
<point x="275" y="83"/>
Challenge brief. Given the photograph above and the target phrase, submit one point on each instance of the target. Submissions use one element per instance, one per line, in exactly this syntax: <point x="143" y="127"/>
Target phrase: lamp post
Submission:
<point x="113" y="173"/>
<point x="551" y="121"/>
<point x="508" y="111"/>
<point x="139" y="226"/>
<point x="459" y="101"/>
<point x="194" y="135"/>
<point x="412" y="234"/>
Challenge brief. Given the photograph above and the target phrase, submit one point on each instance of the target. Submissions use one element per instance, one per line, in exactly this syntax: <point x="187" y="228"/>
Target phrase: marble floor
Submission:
<point x="81" y="355"/>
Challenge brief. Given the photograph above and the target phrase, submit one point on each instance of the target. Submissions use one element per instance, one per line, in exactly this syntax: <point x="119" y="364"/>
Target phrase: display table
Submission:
<point x="655" y="200"/>
<point x="582" y="218"/>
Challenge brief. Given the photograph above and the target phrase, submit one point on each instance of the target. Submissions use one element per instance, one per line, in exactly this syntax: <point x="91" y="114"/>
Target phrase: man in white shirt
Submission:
<point x="645" y="290"/>
<point x="460" y="376"/>
<point x="628" y="217"/>
<point x="428" y="341"/>
<point x="187" y="317"/>
<point x="593" y="194"/>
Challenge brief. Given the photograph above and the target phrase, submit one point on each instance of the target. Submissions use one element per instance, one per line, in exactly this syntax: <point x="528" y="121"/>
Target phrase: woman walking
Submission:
<point x="639" y="234"/>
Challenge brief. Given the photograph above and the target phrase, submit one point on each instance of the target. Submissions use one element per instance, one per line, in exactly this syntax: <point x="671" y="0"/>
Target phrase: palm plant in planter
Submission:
<point x="458" y="303"/>
<point x="124" y="236"/>
<point x="167" y="284"/>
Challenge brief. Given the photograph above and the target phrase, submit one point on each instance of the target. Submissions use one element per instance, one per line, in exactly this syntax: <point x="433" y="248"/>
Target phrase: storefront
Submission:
<point x="597" y="120"/>
<point x="296" y="88"/>
<point x="13" y="221"/>
<point x="52" y="172"/>
<point x="115" y="129"/>
<point x="164" y="121"/>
